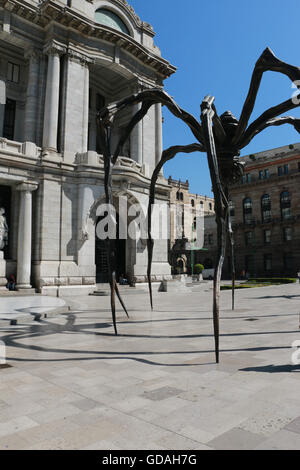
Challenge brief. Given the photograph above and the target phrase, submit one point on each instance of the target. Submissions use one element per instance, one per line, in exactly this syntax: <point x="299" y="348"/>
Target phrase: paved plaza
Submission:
<point x="73" y="385"/>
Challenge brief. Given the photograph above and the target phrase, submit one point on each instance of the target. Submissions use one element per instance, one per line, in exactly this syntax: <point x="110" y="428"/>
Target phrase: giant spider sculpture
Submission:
<point x="221" y="138"/>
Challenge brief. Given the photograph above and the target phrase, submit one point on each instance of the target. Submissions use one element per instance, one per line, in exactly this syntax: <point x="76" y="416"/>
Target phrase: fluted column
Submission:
<point x="52" y="97"/>
<point x="158" y="133"/>
<point x="30" y="122"/>
<point x="24" y="235"/>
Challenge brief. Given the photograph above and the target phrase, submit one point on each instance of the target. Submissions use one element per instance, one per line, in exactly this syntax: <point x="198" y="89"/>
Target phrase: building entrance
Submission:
<point x="101" y="256"/>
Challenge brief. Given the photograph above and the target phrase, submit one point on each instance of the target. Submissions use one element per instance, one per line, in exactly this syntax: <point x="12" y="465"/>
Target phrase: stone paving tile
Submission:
<point x="15" y="425"/>
<point x="236" y="439"/>
<point x="282" y="440"/>
<point x="53" y="414"/>
<point x="13" y="442"/>
<point x="162" y="393"/>
<point x="85" y="404"/>
<point x="294" y="425"/>
<point x="176" y="442"/>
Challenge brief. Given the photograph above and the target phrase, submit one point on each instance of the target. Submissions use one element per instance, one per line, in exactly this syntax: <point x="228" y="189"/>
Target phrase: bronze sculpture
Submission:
<point x="221" y="138"/>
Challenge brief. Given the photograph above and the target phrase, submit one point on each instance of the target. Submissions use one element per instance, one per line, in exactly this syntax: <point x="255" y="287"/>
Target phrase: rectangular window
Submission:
<point x="286" y="169"/>
<point x="248" y="238"/>
<point x="9" y="119"/>
<point x="267" y="174"/>
<point x="288" y="261"/>
<point x="246" y="178"/>
<point x="280" y="171"/>
<point x="286" y="213"/>
<point x="249" y="265"/>
<point x="261" y="175"/>
<point x="298" y="166"/>
<point x="267" y="236"/>
<point x="13" y="72"/>
<point x="287" y="234"/>
<point x="268" y="262"/>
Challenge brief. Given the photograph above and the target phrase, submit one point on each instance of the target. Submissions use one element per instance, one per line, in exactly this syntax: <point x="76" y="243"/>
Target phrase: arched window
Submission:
<point x="181" y="196"/>
<point x="210" y="206"/>
<point x="247" y="210"/>
<point x="285" y="205"/>
<point x="266" y="212"/>
<point x="193" y="203"/>
<point x="109" y="18"/>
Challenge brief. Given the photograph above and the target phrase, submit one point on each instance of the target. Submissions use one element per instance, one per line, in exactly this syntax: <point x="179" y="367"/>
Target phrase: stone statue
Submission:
<point x="3" y="229"/>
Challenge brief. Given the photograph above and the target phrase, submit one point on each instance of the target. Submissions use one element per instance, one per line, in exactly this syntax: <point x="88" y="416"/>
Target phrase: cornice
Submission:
<point x="48" y="11"/>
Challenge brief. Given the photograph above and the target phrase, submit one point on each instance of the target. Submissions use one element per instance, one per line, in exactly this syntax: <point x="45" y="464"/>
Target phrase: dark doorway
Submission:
<point x="101" y="256"/>
<point x="5" y="202"/>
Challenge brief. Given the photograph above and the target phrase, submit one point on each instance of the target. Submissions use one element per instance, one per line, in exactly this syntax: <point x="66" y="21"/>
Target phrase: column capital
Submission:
<point x="79" y="57"/>
<point x="54" y="48"/>
<point x="33" y="54"/>
<point x="27" y="187"/>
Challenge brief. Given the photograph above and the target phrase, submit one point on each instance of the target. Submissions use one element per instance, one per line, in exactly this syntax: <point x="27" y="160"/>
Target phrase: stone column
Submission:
<point x="52" y="97"/>
<point x="31" y="106"/>
<point x="85" y="117"/>
<point x="2" y="103"/>
<point x="75" y="119"/>
<point x="24" y="235"/>
<point x="136" y="139"/>
<point x="158" y="133"/>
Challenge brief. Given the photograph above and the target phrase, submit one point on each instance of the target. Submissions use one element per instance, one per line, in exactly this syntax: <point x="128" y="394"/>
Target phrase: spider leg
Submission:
<point x="221" y="208"/>
<point x="148" y="98"/>
<point x="232" y="259"/>
<point x="167" y="155"/>
<point x="255" y="129"/>
<point x="266" y="62"/>
<point x="105" y="142"/>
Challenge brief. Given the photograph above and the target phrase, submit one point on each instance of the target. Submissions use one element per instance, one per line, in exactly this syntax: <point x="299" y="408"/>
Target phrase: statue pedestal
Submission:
<point x="175" y="286"/>
<point x="3" y="280"/>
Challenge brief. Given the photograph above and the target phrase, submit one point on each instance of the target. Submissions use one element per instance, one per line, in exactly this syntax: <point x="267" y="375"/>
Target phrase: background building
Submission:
<point x="266" y="213"/>
<point x="185" y="208"/>
<point x="60" y="62"/>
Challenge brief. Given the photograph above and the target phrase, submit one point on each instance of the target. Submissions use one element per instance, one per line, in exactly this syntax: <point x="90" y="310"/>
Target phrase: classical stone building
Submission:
<point x="185" y="209"/>
<point x="266" y="213"/>
<point x="60" y="62"/>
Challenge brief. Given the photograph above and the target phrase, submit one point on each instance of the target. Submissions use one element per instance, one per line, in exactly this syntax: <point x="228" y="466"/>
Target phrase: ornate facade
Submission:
<point x="60" y="62"/>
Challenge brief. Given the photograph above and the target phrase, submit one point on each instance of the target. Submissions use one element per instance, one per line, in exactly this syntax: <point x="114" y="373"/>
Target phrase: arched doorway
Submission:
<point x="101" y="255"/>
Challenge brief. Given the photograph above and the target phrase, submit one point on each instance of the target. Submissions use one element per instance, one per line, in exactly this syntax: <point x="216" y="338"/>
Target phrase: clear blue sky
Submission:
<point x="215" y="44"/>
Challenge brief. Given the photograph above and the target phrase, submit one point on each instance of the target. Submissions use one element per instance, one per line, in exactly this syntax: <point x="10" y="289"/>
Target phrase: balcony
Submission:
<point x="21" y="149"/>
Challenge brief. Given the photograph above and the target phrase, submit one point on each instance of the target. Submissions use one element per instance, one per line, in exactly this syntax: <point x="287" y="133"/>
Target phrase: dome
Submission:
<point x="109" y="18"/>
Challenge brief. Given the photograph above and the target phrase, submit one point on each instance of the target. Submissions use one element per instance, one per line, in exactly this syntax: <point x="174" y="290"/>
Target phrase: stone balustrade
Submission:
<point x="24" y="149"/>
